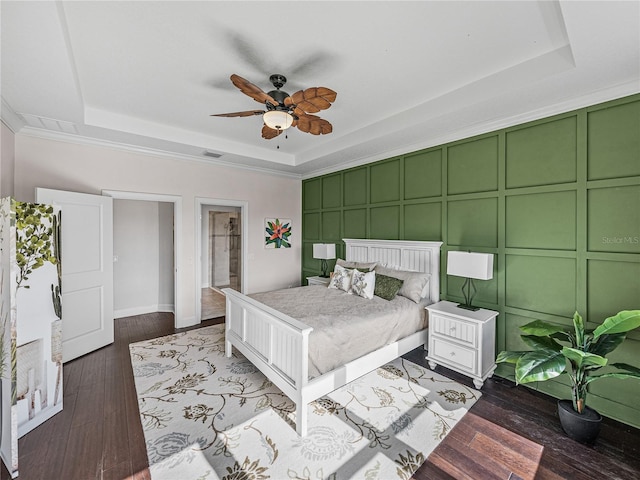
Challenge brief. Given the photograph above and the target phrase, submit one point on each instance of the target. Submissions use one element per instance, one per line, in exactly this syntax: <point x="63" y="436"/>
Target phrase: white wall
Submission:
<point x="7" y="161"/>
<point x="143" y="275"/>
<point x="91" y="169"/>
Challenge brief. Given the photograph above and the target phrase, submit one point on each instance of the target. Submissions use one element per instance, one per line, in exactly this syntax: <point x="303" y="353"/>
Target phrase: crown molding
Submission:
<point x="568" y="105"/>
<point x="90" y="141"/>
<point x="10" y="118"/>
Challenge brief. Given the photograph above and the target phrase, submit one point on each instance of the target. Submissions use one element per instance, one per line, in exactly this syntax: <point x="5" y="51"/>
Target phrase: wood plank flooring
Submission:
<point x="509" y="433"/>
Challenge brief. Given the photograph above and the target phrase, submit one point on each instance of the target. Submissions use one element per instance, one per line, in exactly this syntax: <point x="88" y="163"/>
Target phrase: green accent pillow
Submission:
<point x="387" y="287"/>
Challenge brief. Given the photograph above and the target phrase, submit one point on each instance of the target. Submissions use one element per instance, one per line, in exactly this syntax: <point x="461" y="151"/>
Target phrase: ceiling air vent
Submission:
<point x="209" y="153"/>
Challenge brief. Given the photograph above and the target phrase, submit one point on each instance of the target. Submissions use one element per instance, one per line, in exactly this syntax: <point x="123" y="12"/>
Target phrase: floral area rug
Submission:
<point x="206" y="416"/>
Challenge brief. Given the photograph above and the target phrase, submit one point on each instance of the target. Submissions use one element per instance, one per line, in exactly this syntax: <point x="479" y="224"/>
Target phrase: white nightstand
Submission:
<point x="462" y="340"/>
<point x="318" y="281"/>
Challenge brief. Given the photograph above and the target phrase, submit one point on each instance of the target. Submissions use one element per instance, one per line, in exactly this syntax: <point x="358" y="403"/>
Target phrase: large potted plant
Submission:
<point x="581" y="354"/>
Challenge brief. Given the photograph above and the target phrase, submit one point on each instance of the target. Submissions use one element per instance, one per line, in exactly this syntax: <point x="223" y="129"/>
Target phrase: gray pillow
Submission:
<point x="360" y="266"/>
<point x="387" y="287"/>
<point x="413" y="282"/>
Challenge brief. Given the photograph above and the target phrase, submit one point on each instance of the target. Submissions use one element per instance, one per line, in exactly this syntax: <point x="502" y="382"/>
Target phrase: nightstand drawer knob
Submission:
<point x="453" y="354"/>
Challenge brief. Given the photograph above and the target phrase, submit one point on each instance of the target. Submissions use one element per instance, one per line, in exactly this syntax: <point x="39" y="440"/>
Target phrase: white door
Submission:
<point x="87" y="269"/>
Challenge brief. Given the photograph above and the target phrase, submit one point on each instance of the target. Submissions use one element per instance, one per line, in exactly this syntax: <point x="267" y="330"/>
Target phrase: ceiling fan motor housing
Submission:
<point x="278" y="80"/>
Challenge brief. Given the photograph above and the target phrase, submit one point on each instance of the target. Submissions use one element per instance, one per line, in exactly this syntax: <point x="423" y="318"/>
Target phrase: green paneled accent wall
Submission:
<point x="614" y="141"/>
<point x="473" y="222"/>
<point x="542" y="154"/>
<point x="423" y="173"/>
<point x="385" y="181"/>
<point x="429" y="227"/>
<point x="614" y="216"/>
<point x="479" y="156"/>
<point x="541" y="220"/>
<point x="355" y="187"/>
<point x="332" y="191"/>
<point x="556" y="200"/>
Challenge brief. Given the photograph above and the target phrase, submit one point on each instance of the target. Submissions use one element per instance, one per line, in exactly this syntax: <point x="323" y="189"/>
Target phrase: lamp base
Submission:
<point x="468" y="307"/>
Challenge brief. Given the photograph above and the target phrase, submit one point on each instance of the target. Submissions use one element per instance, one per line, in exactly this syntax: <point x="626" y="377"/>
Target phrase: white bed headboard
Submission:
<point x="401" y="254"/>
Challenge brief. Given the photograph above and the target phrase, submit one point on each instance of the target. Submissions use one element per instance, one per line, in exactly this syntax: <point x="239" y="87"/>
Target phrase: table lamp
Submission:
<point x="471" y="266"/>
<point x="324" y="252"/>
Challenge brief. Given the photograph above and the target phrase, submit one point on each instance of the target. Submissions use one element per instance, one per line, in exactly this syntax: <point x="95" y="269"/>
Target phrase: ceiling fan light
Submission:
<point x="277" y="119"/>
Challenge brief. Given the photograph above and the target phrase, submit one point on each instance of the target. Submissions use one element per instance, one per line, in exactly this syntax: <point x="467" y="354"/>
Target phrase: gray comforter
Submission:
<point x="345" y="326"/>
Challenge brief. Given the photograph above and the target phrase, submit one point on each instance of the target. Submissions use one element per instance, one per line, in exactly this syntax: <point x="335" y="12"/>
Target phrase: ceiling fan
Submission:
<point x="284" y="110"/>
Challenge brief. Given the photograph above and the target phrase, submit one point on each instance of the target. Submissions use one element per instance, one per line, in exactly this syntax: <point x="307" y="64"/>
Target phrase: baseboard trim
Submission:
<point x="166" y="307"/>
<point x="129" y="312"/>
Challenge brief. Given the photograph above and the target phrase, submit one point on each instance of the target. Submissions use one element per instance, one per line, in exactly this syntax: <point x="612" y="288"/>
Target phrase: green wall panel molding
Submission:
<point x="311" y="226"/>
<point x="355" y="223"/>
<point x="423" y="221"/>
<point x="385" y="181"/>
<point x="614" y="219"/>
<point x="385" y="223"/>
<point x="355" y="187"/>
<point x="541" y="284"/>
<point x="612" y="286"/>
<point x="542" y="153"/>
<point x="614" y="141"/>
<point x="473" y="222"/>
<point x="332" y="191"/>
<point x="473" y="166"/>
<point x="423" y="175"/>
<point x="331" y="226"/>
<point x="556" y="200"/>
<point x="312" y="194"/>
<point x="541" y="221"/>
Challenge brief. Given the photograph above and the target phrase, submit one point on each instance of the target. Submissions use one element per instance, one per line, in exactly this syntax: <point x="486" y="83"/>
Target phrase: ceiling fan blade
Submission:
<point x="314" y="125"/>
<point x="247" y="113"/>
<point x="313" y="99"/>
<point x="269" y="133"/>
<point x="248" y="88"/>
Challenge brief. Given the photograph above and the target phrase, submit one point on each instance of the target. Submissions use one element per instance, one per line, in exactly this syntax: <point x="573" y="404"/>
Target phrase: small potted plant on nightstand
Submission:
<point x="578" y="352"/>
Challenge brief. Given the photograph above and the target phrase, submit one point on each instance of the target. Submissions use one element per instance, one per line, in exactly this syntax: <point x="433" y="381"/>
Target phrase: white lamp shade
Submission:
<point x="277" y="119"/>
<point x="470" y="265"/>
<point x="325" y="251"/>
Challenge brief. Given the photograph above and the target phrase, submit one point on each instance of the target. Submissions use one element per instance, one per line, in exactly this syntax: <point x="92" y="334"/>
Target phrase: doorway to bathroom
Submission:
<point x="221" y="255"/>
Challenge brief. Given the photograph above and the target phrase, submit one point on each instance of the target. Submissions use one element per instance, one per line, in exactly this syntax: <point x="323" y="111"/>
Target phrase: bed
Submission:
<point x="279" y="345"/>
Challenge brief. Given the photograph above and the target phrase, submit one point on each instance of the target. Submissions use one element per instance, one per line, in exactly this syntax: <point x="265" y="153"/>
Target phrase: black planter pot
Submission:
<point x="582" y="427"/>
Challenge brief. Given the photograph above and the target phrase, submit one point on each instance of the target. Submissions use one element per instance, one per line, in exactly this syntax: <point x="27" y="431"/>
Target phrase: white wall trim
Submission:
<point x="166" y="307"/>
<point x="244" y="214"/>
<point x="179" y="319"/>
<point x="83" y="140"/>
<point x="10" y="118"/>
<point x="130" y="312"/>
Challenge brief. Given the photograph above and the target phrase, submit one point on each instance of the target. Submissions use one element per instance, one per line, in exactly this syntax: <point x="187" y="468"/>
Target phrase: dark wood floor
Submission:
<point x="98" y="435"/>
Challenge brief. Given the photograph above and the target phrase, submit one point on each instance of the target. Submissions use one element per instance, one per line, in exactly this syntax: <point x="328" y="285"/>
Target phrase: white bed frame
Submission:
<point x="279" y="345"/>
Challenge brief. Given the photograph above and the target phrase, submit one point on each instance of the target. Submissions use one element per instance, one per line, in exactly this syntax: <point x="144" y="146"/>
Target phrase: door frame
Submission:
<point x="178" y="317"/>
<point x="244" y="243"/>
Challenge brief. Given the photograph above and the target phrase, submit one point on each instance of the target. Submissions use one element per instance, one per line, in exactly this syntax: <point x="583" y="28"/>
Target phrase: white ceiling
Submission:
<point x="408" y="74"/>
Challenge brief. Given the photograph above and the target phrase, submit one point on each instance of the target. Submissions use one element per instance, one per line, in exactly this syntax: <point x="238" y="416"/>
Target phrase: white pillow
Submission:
<point x="341" y="279"/>
<point x="363" y="284"/>
<point x="415" y="283"/>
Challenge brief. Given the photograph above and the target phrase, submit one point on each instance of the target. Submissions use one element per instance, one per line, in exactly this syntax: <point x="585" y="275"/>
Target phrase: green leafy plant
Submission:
<point x="33" y="239"/>
<point x="583" y="351"/>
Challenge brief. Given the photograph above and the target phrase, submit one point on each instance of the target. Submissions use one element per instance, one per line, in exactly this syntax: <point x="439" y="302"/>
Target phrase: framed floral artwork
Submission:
<point x="277" y="233"/>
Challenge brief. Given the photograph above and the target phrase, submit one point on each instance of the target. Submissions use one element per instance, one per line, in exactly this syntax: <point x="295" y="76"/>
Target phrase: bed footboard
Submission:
<point x="275" y="343"/>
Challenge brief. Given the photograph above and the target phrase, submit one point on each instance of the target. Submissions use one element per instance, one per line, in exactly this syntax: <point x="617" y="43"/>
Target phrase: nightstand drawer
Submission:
<point x="460" y="330"/>
<point x="462" y="358"/>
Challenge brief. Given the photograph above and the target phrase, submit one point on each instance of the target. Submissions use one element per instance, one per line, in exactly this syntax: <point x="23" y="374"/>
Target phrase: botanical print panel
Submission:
<point x="277" y="233"/>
